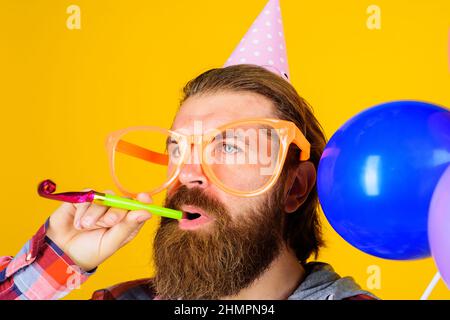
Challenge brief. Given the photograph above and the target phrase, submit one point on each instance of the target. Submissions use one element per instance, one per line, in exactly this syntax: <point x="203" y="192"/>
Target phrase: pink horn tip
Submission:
<point x="47" y="187"/>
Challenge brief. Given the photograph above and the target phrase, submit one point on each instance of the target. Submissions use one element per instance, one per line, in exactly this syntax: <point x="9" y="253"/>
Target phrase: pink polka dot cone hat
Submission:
<point x="264" y="43"/>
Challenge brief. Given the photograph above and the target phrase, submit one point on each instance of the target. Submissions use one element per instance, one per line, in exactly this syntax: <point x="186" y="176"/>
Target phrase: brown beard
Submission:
<point x="220" y="261"/>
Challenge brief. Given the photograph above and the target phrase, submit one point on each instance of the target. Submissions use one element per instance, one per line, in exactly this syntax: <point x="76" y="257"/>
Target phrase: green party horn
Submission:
<point x="47" y="187"/>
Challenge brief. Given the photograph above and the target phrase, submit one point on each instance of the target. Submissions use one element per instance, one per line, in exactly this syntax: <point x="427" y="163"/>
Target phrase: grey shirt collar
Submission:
<point x="323" y="283"/>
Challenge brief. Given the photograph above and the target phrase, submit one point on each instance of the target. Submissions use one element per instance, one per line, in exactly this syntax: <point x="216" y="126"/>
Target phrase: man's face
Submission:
<point x="224" y="242"/>
<point x="213" y="111"/>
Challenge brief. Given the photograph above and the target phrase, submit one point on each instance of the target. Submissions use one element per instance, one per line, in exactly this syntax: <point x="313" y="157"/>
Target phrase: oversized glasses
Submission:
<point x="243" y="158"/>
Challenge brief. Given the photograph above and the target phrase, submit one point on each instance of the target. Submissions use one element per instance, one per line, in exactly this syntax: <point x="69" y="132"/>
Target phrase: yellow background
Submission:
<point x="62" y="91"/>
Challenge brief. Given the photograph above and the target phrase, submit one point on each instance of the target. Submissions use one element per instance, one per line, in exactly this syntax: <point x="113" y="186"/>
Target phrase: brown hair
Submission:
<point x="302" y="228"/>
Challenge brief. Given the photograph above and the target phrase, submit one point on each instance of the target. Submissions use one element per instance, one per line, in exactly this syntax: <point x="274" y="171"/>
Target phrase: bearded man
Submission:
<point x="246" y="184"/>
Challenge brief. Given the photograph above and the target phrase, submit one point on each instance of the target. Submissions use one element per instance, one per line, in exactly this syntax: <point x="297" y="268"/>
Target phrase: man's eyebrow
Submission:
<point x="238" y="133"/>
<point x="260" y="127"/>
<point x="222" y="136"/>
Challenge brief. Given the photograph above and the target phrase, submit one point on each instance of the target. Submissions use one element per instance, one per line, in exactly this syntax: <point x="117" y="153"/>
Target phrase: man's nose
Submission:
<point x="191" y="173"/>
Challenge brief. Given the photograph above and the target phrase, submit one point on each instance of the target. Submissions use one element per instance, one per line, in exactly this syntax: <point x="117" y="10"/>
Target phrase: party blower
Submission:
<point x="47" y="187"/>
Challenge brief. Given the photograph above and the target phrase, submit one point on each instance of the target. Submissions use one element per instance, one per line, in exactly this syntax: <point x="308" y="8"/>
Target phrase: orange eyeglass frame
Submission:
<point x="287" y="131"/>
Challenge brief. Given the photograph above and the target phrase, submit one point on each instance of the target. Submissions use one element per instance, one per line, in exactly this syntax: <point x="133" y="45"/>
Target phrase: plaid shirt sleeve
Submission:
<point x="41" y="270"/>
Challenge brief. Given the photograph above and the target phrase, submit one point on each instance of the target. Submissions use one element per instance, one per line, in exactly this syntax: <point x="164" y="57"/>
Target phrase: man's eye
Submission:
<point x="230" y="148"/>
<point x="174" y="150"/>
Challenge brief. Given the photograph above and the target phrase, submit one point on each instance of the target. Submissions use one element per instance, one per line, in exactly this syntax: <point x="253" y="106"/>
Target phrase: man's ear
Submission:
<point x="299" y="184"/>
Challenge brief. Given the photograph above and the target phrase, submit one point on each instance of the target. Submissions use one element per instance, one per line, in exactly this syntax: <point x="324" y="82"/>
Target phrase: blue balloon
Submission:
<point x="377" y="175"/>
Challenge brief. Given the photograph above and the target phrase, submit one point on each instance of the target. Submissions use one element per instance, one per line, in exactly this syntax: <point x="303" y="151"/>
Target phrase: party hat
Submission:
<point x="264" y="43"/>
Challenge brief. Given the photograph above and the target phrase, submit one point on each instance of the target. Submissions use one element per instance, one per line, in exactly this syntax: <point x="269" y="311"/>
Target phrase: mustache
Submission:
<point x="196" y="197"/>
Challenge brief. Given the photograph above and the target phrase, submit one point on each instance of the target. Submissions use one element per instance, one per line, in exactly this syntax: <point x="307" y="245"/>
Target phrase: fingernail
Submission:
<point x="143" y="218"/>
<point x="102" y="224"/>
<point x="87" y="222"/>
<point x="111" y="218"/>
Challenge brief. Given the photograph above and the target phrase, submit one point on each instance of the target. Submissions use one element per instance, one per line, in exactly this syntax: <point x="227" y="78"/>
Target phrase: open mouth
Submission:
<point x="193" y="217"/>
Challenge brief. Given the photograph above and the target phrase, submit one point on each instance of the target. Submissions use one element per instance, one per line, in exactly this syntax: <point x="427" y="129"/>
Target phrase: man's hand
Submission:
<point x="90" y="233"/>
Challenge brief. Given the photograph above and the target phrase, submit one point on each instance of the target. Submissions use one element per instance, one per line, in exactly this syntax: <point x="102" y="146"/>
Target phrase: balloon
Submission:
<point x="439" y="226"/>
<point x="377" y="175"/>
